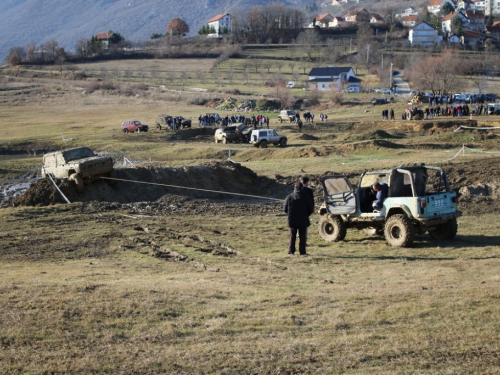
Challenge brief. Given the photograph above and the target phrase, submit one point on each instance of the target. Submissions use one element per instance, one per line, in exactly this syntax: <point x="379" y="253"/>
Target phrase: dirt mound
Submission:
<point x="308" y="137"/>
<point x="373" y="144"/>
<point x="191" y="134"/>
<point x="377" y="134"/>
<point x="207" y="181"/>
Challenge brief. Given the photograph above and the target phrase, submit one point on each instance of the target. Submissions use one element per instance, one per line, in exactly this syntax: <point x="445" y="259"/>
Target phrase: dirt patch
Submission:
<point x="372" y="135"/>
<point x="211" y="181"/>
<point x="372" y="144"/>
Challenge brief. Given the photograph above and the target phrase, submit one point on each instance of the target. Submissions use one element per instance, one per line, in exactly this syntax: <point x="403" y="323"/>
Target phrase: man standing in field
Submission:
<point x="299" y="207"/>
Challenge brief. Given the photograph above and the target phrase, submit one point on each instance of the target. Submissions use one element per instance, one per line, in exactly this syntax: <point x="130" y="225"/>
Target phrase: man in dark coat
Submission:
<point x="299" y="207"/>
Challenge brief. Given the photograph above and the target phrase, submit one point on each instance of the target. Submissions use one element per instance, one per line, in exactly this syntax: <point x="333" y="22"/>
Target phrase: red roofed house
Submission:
<point x="477" y="20"/>
<point x="337" y="22"/>
<point x="448" y="19"/>
<point x="471" y="37"/>
<point x="358" y="15"/>
<point x="323" y="20"/>
<point x="435" y="6"/>
<point x="409" y="21"/>
<point x="376" y="18"/>
<point x="103" y="39"/>
<point x="221" y="24"/>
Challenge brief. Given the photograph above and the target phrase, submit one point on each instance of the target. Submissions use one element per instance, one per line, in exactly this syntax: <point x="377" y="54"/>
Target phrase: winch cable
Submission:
<point x="190" y="188"/>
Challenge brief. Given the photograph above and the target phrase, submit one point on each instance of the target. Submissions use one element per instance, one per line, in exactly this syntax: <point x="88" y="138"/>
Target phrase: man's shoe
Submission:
<point x="290" y="254"/>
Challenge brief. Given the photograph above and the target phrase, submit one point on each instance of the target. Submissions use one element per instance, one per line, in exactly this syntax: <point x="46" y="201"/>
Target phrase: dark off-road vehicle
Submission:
<point x="233" y="133"/>
<point x="80" y="165"/>
<point x="419" y="200"/>
<point x="162" y="122"/>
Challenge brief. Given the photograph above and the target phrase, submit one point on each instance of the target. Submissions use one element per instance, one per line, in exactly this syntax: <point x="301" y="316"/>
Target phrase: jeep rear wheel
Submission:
<point x="263" y="144"/>
<point x="332" y="229"/>
<point x="399" y="231"/>
<point x="445" y="231"/>
<point x="78" y="180"/>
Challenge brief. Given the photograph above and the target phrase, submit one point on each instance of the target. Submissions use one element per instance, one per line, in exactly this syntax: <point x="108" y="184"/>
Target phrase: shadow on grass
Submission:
<point x="423" y="242"/>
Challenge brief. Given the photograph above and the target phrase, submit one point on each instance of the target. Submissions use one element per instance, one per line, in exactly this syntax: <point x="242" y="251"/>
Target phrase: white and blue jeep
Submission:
<point x="419" y="200"/>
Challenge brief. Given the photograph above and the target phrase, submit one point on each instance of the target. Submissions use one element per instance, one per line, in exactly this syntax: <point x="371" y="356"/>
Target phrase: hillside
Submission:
<point x="31" y="21"/>
<point x="25" y="21"/>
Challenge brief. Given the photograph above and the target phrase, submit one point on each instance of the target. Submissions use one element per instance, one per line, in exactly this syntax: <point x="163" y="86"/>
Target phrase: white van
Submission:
<point x="290" y="85"/>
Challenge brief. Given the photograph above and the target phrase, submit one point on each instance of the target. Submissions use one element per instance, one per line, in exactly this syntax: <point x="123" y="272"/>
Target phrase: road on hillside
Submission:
<point x="403" y="86"/>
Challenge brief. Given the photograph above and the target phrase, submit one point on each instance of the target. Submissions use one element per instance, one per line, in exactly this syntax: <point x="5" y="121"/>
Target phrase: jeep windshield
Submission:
<point x="77" y="153"/>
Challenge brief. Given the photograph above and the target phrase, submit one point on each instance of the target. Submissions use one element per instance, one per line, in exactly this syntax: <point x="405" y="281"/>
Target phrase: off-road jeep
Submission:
<point x="286" y="115"/>
<point x="261" y="138"/>
<point x="80" y="165"/>
<point x="419" y="200"/>
<point x="233" y="133"/>
<point x="161" y="122"/>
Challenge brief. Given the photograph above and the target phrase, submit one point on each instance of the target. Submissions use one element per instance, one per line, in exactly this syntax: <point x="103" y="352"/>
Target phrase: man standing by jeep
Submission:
<point x="299" y="207"/>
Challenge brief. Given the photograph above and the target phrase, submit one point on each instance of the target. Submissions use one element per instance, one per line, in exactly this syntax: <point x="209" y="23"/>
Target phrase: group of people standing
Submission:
<point x="386" y="113"/>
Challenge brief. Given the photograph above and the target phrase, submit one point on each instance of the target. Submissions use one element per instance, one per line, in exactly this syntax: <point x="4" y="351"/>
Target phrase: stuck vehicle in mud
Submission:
<point x="80" y="165"/>
<point x="419" y="200"/>
<point x="233" y="133"/>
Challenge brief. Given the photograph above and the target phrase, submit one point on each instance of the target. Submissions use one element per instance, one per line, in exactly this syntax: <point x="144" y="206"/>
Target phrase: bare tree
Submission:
<point x="279" y="64"/>
<point x="201" y="76"/>
<point x="267" y="64"/>
<point x="291" y="65"/>
<point x="303" y="65"/>
<point x="256" y="64"/>
<point x="284" y="96"/>
<point x="307" y="43"/>
<point x="246" y="74"/>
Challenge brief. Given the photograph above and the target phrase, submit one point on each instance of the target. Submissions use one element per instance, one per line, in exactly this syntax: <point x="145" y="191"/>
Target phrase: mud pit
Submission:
<point x="211" y="180"/>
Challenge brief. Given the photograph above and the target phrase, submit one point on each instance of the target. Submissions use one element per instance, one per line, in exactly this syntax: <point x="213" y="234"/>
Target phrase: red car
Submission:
<point x="134" y="126"/>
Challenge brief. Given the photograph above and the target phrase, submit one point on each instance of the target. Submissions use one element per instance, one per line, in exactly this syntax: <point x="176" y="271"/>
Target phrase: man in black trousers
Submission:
<point x="298" y="206"/>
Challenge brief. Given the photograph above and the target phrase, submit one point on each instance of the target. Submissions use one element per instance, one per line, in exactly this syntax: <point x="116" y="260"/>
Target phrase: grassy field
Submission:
<point x="129" y="290"/>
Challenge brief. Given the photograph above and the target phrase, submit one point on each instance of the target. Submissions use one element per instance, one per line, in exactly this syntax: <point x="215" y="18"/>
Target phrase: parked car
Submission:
<point x="377" y="90"/>
<point x="286" y="115"/>
<point x="134" y="126"/>
<point x="379" y="101"/>
<point x="351" y="90"/>
<point x="290" y="85"/>
<point x="233" y="133"/>
<point x="490" y="97"/>
<point x="261" y="138"/>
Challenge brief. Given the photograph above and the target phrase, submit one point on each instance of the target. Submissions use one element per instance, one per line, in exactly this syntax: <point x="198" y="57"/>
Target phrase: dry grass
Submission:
<point x="107" y="305"/>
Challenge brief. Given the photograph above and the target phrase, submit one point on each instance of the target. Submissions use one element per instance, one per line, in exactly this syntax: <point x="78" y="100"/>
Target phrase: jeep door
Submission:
<point x="340" y="197"/>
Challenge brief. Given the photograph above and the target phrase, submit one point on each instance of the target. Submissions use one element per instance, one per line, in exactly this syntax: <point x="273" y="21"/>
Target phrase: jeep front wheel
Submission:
<point x="445" y="231"/>
<point x="158" y="126"/>
<point x="78" y="180"/>
<point x="125" y="131"/>
<point x="263" y="144"/>
<point x="399" y="231"/>
<point x="280" y="120"/>
<point x="332" y="229"/>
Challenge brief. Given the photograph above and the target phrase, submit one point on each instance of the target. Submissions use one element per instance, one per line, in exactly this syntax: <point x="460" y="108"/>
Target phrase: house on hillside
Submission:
<point x="328" y="78"/>
<point x="447" y="21"/>
<point x="323" y="20"/>
<point x="104" y="39"/>
<point x="477" y="20"/>
<point x="409" y="21"/>
<point x="358" y="15"/>
<point x="435" y="6"/>
<point x="424" y="35"/>
<point x="219" y="25"/>
<point x="471" y="37"/>
<point x="337" y="22"/>
<point x="376" y="18"/>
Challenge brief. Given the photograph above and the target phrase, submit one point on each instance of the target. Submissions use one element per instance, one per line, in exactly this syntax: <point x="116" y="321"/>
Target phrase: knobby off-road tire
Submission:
<point x="125" y="131"/>
<point x="263" y="144"/>
<point x="332" y="229"/>
<point x="283" y="142"/>
<point x="158" y="126"/>
<point x="78" y="180"/>
<point x="446" y="231"/>
<point x="399" y="231"/>
<point x="280" y="120"/>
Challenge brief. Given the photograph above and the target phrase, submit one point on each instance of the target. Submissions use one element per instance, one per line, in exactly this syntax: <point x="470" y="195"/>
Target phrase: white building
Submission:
<point x="424" y="35"/>
<point x="221" y="24"/>
<point x="446" y="22"/>
<point x="328" y="78"/>
<point x="435" y="6"/>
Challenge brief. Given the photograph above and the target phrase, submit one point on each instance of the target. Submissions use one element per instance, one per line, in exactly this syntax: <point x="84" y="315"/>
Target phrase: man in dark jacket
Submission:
<point x="299" y="207"/>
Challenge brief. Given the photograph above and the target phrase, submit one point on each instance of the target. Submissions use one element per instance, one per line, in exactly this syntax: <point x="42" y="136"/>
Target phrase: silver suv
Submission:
<point x="261" y="138"/>
<point x="80" y="165"/>
<point x="286" y="115"/>
<point x="419" y="200"/>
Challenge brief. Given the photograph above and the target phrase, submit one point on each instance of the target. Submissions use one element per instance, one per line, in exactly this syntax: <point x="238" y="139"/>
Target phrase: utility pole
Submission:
<point x="390" y="78"/>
